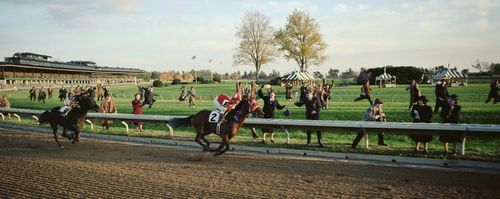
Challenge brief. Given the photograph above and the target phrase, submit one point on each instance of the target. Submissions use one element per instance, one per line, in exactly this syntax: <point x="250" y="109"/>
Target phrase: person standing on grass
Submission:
<point x="142" y="90"/>
<point x="32" y="94"/>
<point x="191" y="97"/>
<point x="451" y="114"/>
<point x="493" y="92"/>
<point x="4" y="102"/>
<point x="100" y="92"/>
<point x="108" y="105"/>
<point x="270" y="104"/>
<point x="182" y="96"/>
<point x="421" y="113"/>
<point x="288" y="88"/>
<point x="137" y="106"/>
<point x="414" y="91"/>
<point x="62" y="93"/>
<point x="374" y="113"/>
<point x="365" y="93"/>
<point x="49" y="92"/>
<point x="78" y="90"/>
<point x="313" y="107"/>
<point x="42" y="95"/>
<point x="303" y="92"/>
<point x="149" y="97"/>
<point x="441" y="95"/>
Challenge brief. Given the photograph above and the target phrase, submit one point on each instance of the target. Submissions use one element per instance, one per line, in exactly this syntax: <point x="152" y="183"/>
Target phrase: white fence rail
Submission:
<point x="462" y="130"/>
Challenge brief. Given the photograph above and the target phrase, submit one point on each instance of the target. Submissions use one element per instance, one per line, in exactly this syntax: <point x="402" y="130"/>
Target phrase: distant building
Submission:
<point x="30" y="68"/>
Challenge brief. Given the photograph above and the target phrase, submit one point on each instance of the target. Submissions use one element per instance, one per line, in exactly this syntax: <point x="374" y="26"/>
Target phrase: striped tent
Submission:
<point x="386" y="80"/>
<point x="448" y="74"/>
<point x="385" y="76"/>
<point x="298" y="76"/>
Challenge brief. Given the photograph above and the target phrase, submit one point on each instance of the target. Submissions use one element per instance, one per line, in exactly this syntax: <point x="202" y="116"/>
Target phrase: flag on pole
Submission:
<point x="194" y="57"/>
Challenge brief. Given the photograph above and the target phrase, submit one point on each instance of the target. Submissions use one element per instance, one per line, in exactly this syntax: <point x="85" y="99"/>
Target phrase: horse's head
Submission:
<point x="249" y="105"/>
<point x="86" y="102"/>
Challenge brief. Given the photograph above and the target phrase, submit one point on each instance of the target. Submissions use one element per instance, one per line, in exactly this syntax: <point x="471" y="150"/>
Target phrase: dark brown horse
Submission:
<point x="233" y="120"/>
<point x="74" y="119"/>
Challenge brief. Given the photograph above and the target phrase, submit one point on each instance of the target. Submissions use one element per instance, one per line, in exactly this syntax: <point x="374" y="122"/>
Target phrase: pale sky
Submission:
<point x="163" y="35"/>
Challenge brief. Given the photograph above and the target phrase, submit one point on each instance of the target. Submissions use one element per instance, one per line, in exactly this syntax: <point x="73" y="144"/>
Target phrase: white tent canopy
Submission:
<point x="385" y="76"/>
<point x="448" y="73"/>
<point x="386" y="80"/>
<point x="298" y="76"/>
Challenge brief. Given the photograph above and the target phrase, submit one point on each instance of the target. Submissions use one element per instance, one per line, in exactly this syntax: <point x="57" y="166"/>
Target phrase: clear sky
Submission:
<point x="164" y="34"/>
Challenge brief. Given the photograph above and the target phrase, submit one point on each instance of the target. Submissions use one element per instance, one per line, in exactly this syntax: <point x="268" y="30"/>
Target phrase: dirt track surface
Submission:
<point x="32" y="166"/>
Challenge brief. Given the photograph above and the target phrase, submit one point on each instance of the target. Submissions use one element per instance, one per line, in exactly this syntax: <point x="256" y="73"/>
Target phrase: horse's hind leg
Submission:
<point x="206" y="142"/>
<point x="198" y="138"/>
<point x="54" y="130"/>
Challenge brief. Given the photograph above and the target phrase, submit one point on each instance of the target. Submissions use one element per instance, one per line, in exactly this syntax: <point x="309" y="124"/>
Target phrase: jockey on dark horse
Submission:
<point x="73" y="119"/>
<point x="69" y="103"/>
<point x="205" y="121"/>
<point x="223" y="104"/>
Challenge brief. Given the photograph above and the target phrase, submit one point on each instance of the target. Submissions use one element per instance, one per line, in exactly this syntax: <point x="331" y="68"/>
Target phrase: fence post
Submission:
<point x="287" y="134"/>
<point x="366" y="140"/>
<point x="170" y="130"/>
<point x="462" y="151"/>
<point x="126" y="126"/>
<point x="18" y="118"/>
<point x="3" y="117"/>
<point x="91" y="125"/>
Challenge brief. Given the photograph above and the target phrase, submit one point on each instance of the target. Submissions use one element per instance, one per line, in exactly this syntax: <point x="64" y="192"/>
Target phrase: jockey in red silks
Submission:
<point x="224" y="103"/>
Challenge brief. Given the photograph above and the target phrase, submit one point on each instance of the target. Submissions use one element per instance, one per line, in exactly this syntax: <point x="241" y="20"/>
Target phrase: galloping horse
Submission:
<point x="233" y="120"/>
<point x="74" y="119"/>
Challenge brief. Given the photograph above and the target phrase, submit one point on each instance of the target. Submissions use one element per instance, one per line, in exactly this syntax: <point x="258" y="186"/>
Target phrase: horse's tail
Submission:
<point x="44" y="117"/>
<point x="180" y="122"/>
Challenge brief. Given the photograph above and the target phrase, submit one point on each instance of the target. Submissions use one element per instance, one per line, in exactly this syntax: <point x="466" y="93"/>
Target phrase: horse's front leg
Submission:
<point x="76" y="138"/>
<point x="54" y="130"/>
<point x="225" y="142"/>
<point x="220" y="145"/>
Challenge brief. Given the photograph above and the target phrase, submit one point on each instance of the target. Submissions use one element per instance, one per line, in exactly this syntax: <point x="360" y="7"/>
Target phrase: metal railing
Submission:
<point x="460" y="130"/>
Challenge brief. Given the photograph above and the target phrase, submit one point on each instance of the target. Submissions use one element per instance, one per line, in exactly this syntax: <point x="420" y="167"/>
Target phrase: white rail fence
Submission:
<point x="461" y="130"/>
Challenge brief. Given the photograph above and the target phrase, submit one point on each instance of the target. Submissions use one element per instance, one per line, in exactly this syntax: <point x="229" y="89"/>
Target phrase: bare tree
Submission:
<point x="257" y="45"/>
<point x="482" y="66"/>
<point x="301" y="41"/>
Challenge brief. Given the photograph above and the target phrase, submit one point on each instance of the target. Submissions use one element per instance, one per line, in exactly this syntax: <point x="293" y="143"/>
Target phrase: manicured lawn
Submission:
<point x="342" y="107"/>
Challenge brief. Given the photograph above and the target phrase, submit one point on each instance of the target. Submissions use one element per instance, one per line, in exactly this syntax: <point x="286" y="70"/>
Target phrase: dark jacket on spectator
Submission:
<point x="421" y="114"/>
<point x="424" y="113"/>
<point x="311" y="105"/>
<point x="441" y="91"/>
<point x="450" y="114"/>
<point x="269" y="105"/>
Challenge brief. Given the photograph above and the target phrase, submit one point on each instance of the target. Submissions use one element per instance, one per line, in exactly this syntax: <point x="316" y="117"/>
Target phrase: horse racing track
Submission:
<point x="31" y="165"/>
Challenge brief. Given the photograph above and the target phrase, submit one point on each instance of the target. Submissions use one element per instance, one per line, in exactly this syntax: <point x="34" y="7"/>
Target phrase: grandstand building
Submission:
<point x="30" y="68"/>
